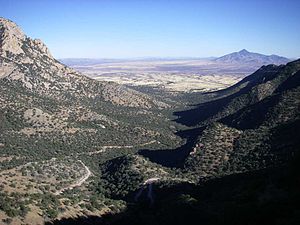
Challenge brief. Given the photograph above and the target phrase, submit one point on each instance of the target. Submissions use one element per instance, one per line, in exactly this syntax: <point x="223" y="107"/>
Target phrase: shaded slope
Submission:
<point x="249" y="91"/>
<point x="282" y="106"/>
<point x="257" y="198"/>
<point x="261" y="122"/>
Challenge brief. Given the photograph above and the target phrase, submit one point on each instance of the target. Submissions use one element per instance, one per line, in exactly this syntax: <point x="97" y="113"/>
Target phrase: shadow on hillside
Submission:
<point x="212" y="103"/>
<point x="128" y="215"/>
<point x="174" y="157"/>
<point x="191" y="118"/>
<point x="218" y="100"/>
<point x="267" y="196"/>
<point x="251" y="117"/>
<point x="78" y="221"/>
<point x="203" y="111"/>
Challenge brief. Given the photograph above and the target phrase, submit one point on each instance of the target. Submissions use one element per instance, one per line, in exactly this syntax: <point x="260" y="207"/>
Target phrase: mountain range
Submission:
<point x="243" y="57"/>
<point x="74" y="150"/>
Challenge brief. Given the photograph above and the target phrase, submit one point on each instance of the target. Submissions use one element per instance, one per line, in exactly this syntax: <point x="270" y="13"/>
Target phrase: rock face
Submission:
<point x="245" y="57"/>
<point x="11" y="38"/>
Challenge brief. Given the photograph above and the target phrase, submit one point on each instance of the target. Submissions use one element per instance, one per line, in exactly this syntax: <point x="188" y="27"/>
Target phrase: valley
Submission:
<point x="174" y="75"/>
<point x="131" y="142"/>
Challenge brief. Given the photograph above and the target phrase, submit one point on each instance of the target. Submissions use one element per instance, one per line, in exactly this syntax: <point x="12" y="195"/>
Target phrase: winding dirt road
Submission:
<point x="79" y="182"/>
<point x="88" y="173"/>
<point x="104" y="148"/>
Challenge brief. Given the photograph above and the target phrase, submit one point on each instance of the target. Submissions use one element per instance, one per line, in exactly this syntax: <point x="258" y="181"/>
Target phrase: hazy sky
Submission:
<point x="128" y="28"/>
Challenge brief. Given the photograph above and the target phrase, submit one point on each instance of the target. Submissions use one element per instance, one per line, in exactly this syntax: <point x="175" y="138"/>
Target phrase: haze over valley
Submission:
<point x="181" y="74"/>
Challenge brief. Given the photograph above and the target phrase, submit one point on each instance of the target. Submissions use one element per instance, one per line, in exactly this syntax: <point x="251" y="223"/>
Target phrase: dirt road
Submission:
<point x="79" y="182"/>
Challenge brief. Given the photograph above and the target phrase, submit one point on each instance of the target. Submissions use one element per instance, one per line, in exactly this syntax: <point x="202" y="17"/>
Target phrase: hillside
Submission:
<point x="253" y="89"/>
<point x="245" y="157"/>
<point x="42" y="98"/>
<point x="241" y="168"/>
<point x="243" y="128"/>
<point x="54" y="121"/>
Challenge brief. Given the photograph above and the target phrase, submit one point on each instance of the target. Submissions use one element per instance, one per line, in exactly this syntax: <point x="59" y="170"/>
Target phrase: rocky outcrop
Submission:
<point x="11" y="38"/>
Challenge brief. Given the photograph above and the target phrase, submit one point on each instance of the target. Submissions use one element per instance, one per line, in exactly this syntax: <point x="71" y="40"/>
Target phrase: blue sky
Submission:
<point x="158" y="28"/>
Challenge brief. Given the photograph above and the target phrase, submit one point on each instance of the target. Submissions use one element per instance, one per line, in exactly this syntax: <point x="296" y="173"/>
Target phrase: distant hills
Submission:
<point x="238" y="64"/>
<point x="247" y="57"/>
<point x="242" y="56"/>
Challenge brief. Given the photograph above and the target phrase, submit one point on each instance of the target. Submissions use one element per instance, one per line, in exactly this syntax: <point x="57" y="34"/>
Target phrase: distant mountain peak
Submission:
<point x="251" y="58"/>
<point x="244" y="51"/>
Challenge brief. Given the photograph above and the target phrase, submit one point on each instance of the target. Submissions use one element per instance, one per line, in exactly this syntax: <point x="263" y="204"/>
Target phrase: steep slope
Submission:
<point x="246" y="127"/>
<point x="245" y="57"/>
<point x="56" y="124"/>
<point x="246" y="164"/>
<point x="251" y="129"/>
<point x="43" y="98"/>
<point x="266" y="196"/>
<point x="124" y="175"/>
<point x="249" y="91"/>
<point x="259" y="134"/>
